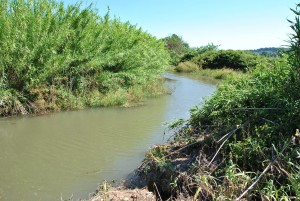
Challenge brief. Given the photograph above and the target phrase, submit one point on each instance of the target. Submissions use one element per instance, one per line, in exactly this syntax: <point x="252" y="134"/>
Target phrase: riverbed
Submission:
<point x="67" y="154"/>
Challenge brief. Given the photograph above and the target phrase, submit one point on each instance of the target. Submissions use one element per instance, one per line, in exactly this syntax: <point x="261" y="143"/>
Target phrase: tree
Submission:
<point x="176" y="46"/>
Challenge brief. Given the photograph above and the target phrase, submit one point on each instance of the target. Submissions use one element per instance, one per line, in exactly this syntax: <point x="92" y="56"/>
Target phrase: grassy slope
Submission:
<point x="239" y="145"/>
<point x="223" y="148"/>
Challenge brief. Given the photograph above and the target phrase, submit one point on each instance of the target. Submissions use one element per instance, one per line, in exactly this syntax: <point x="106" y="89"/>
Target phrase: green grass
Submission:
<point x="270" y="93"/>
<point x="241" y="136"/>
<point x="246" y="125"/>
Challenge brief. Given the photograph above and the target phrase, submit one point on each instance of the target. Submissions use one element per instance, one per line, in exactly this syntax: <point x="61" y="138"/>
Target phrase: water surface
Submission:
<point x="68" y="153"/>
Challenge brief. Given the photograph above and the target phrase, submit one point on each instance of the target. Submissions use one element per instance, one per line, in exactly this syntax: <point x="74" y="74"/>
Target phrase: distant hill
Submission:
<point x="269" y="51"/>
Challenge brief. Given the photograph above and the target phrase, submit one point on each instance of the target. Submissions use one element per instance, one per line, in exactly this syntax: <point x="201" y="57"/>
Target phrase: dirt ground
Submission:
<point x="125" y="195"/>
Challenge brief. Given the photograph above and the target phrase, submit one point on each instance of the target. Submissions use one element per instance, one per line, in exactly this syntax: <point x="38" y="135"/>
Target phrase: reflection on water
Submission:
<point x="46" y="157"/>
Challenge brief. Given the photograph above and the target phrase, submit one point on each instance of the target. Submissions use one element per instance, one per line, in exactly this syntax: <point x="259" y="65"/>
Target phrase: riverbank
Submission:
<point x="53" y="99"/>
<point x="218" y="74"/>
<point x="107" y="192"/>
<point x="242" y="144"/>
<point x="239" y="145"/>
<point x="84" y="147"/>
<point x="67" y="57"/>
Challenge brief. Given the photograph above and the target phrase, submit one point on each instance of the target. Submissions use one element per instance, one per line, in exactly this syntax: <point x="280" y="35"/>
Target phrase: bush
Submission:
<point x="266" y="86"/>
<point x="46" y="44"/>
<point x="176" y="48"/>
<point x="266" y="108"/>
<point x="234" y="59"/>
<point x="209" y="57"/>
<point x="242" y="135"/>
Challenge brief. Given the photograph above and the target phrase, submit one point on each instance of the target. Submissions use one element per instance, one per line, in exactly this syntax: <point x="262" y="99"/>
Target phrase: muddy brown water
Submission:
<point x="67" y="154"/>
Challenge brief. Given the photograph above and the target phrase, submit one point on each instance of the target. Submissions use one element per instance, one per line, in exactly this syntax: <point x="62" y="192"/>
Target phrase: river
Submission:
<point x="67" y="154"/>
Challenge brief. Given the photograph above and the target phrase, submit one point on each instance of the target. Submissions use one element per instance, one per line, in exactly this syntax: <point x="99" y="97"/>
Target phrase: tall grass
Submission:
<point x="222" y="74"/>
<point x="239" y="144"/>
<point x="70" y="49"/>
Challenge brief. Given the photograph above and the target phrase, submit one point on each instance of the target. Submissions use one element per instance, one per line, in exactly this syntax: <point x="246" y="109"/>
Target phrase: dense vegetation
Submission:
<point x="210" y="57"/>
<point x="220" y="64"/>
<point x="176" y="48"/>
<point x="210" y="61"/>
<point x="270" y="51"/>
<point x="54" y="56"/>
<point x="239" y="144"/>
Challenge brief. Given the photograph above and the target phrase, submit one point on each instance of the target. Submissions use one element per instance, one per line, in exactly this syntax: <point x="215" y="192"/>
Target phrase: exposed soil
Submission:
<point x="165" y="173"/>
<point x="116" y="194"/>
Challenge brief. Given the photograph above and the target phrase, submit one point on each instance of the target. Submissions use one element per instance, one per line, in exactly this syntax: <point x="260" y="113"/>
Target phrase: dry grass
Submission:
<point x="121" y="193"/>
<point x="223" y="73"/>
<point x="187" y="67"/>
<point x="124" y="195"/>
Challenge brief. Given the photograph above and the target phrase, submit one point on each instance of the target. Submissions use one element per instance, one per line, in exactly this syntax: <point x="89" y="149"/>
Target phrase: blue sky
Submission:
<point x="233" y="24"/>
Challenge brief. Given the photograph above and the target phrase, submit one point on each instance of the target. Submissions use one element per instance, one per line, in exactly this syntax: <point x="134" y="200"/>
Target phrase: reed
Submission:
<point x="71" y="50"/>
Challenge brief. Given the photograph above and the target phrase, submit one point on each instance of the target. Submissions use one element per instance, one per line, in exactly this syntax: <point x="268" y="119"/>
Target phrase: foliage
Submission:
<point x="70" y="49"/>
<point x="294" y="58"/>
<point x="193" y="52"/>
<point x="265" y="106"/>
<point x="240" y="130"/>
<point x="234" y="59"/>
<point x="209" y="57"/>
<point x="187" y="67"/>
<point x="176" y="47"/>
<point x="270" y="51"/>
<point x="243" y="133"/>
<point x="267" y="86"/>
<point x="12" y="103"/>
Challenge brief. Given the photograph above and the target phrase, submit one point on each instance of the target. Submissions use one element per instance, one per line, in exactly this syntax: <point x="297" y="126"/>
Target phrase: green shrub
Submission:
<point x="267" y="86"/>
<point x="238" y="145"/>
<point x="209" y="57"/>
<point x="48" y="44"/>
<point x="265" y="108"/>
<point x="176" y="48"/>
<point x="244" y="128"/>
<point x="250" y="121"/>
<point x="234" y="59"/>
